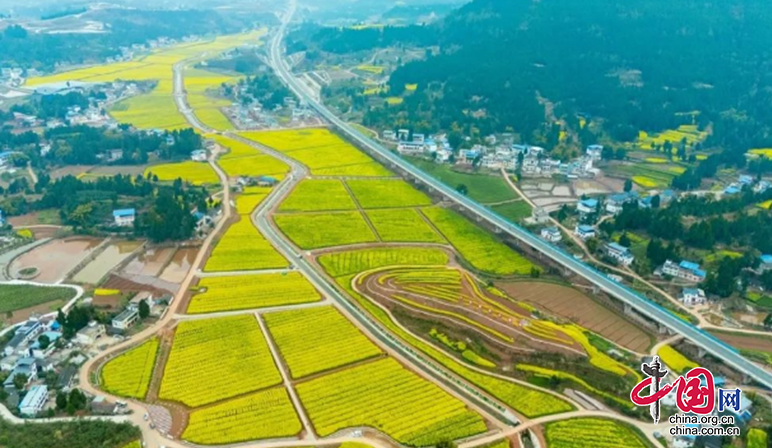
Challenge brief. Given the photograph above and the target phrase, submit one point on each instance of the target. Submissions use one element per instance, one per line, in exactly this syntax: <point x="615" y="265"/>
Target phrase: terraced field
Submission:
<point x="215" y="359"/>
<point x="314" y="340"/>
<point x="128" y="375"/>
<point x="251" y="291"/>
<point x="384" y="395"/>
<point x="263" y="415"/>
<point x="344" y="266"/>
<point x="352" y="262"/>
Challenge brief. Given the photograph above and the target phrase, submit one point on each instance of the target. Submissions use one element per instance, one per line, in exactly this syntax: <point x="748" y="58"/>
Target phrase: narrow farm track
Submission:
<point x="287" y="381"/>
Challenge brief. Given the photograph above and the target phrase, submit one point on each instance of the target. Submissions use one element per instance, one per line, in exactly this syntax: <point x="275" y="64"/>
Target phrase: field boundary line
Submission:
<point x="286" y="380"/>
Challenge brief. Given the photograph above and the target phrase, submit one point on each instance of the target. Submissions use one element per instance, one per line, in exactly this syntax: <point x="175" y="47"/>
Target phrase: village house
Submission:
<point x="587" y="206"/>
<point x="619" y="253"/>
<point x="584" y="231"/>
<point x="34" y="401"/>
<point x="124" y="217"/>
<point x="685" y="270"/>
<point x="595" y="152"/>
<point x="692" y="296"/>
<point x="551" y="234"/>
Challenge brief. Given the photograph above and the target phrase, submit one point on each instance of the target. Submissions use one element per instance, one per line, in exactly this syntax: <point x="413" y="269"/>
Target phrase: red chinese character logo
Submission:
<point x="691" y="395"/>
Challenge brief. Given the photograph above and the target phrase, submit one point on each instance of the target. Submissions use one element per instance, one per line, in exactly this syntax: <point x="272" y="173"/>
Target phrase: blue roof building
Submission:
<point x="766" y="259"/>
<point x="730" y="190"/>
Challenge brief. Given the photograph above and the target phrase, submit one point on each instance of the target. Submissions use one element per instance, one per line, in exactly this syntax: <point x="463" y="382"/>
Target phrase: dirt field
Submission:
<point x="573" y="305"/>
<point x="149" y="262"/>
<point x="114" y="254"/>
<point x="745" y="342"/>
<point x="70" y="170"/>
<point x="55" y="258"/>
<point x="112" y="170"/>
<point x="179" y="265"/>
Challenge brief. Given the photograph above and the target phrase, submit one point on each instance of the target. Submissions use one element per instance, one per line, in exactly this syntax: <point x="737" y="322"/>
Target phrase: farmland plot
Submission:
<point x="197" y="173"/>
<point x="316" y="230"/>
<point x="353" y="262"/>
<point x="263" y="415"/>
<point x="243" y="248"/>
<point x="252" y="291"/>
<point x="478" y="247"/>
<point x="387" y="193"/>
<point x="215" y="359"/>
<point x="128" y="375"/>
<point x="591" y="433"/>
<point x="402" y="225"/>
<point x="318" y="195"/>
<point x="386" y="396"/>
<point x="318" y="339"/>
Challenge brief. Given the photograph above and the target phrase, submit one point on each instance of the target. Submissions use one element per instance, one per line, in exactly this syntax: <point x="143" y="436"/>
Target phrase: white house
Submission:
<point x="410" y="148"/>
<point x="692" y="296"/>
<point x="124" y="217"/>
<point x="584" y="231"/>
<point x="389" y="135"/>
<point x="198" y="155"/>
<point x="551" y="234"/>
<point x="685" y="270"/>
<point x="126" y="319"/>
<point x="587" y="206"/>
<point x="403" y="134"/>
<point x="595" y="151"/>
<point x="90" y="333"/>
<point x="418" y="138"/>
<point x="619" y="253"/>
<point x="34" y="401"/>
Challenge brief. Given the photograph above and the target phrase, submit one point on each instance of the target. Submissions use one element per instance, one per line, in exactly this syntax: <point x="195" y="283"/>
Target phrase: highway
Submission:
<point x="644" y="306"/>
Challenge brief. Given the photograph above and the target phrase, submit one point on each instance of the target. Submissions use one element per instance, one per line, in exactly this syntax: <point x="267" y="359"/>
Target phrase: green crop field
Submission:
<point x="16" y="297"/>
<point x="477" y="247"/>
<point x="513" y="211"/>
<point x="482" y="188"/>
<point x="317" y="230"/>
<point x="314" y="340"/>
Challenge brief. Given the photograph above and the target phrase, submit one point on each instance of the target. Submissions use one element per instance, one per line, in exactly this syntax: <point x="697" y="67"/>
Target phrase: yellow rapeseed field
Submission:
<point x="243" y="248"/>
<point x="264" y="415"/>
<point x="252" y="291"/>
<point x="386" y="396"/>
<point x="314" y="340"/>
<point x="215" y="359"/>
<point x="322" y="151"/>
<point x="197" y="173"/>
<point x="128" y="375"/>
